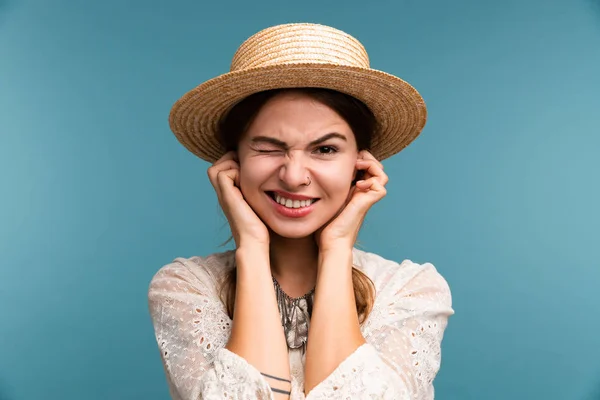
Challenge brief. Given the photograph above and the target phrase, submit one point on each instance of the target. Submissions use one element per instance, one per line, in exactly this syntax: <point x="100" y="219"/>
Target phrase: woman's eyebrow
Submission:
<point x="283" y="145"/>
<point x="325" y="138"/>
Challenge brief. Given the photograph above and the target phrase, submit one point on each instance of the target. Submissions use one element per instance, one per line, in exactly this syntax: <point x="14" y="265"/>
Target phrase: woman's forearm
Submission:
<point x="257" y="334"/>
<point x="334" y="328"/>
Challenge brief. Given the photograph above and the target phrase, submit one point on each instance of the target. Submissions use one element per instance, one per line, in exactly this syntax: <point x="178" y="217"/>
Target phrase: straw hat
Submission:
<point x="295" y="56"/>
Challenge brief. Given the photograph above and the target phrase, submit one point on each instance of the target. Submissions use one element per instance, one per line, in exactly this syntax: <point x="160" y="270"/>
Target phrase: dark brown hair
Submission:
<point x="362" y="122"/>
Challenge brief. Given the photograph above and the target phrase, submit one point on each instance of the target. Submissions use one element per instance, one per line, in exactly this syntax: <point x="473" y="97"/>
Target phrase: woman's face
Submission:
<point x="292" y="141"/>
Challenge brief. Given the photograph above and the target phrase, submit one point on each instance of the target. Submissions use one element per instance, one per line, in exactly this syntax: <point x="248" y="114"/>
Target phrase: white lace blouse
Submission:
<point x="399" y="361"/>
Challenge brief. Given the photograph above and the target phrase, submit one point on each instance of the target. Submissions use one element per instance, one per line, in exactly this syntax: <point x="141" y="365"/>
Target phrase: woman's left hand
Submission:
<point x="342" y="230"/>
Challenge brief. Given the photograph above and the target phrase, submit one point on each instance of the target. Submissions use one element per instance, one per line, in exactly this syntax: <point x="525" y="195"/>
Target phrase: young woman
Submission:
<point x="295" y="133"/>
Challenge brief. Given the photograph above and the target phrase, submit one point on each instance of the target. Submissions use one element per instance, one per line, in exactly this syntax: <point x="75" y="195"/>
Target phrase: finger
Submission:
<point x="230" y="155"/>
<point x="370" y="184"/>
<point x="368" y="192"/>
<point x="226" y="181"/>
<point x="374" y="189"/>
<point x="213" y="175"/>
<point x="228" y="178"/>
<point x="373" y="170"/>
<point x="366" y="155"/>
<point x="225" y="165"/>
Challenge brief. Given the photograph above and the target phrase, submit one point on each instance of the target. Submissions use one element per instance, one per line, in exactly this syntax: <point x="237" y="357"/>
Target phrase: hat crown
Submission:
<point x="298" y="44"/>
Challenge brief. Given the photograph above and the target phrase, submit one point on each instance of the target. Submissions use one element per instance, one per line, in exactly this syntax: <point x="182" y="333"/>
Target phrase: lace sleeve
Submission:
<point x="403" y="333"/>
<point x="192" y="328"/>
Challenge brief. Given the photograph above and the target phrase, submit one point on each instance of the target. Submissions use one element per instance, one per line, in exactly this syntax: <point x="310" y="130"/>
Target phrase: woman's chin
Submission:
<point x="291" y="232"/>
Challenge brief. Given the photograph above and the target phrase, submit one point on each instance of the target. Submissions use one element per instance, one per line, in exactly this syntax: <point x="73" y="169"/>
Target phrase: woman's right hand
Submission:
<point x="246" y="227"/>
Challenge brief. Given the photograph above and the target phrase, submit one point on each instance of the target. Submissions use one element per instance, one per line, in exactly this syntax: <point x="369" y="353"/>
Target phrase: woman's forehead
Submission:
<point x="297" y="117"/>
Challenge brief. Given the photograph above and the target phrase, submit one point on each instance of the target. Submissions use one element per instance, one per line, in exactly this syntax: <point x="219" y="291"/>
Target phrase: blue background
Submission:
<point x="500" y="192"/>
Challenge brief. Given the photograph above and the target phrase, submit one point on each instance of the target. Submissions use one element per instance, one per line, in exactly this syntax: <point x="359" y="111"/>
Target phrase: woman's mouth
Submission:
<point x="292" y="207"/>
<point x="291" y="203"/>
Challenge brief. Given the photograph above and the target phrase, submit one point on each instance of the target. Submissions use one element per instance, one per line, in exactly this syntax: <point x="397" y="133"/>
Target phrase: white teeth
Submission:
<point x="292" y="203"/>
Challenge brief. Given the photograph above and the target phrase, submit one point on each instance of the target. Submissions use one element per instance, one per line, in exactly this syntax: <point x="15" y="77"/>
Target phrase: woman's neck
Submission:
<point x="294" y="263"/>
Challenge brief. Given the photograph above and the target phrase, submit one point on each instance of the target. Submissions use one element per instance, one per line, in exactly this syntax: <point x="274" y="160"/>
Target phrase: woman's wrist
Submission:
<point x="252" y="256"/>
<point x="252" y="249"/>
<point x="335" y="255"/>
<point x="337" y="246"/>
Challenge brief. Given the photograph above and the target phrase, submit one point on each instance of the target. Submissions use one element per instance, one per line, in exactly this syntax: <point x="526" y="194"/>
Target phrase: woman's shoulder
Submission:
<point x="386" y="273"/>
<point x="198" y="271"/>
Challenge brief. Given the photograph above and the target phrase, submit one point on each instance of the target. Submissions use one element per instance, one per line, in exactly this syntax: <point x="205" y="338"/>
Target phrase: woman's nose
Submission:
<point x="293" y="173"/>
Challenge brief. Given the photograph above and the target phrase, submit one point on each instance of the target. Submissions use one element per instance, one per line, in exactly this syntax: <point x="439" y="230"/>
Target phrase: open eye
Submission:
<point x="326" y="150"/>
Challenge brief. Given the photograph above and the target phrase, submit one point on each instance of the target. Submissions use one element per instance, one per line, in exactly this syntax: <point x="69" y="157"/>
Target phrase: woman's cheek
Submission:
<point x="248" y="185"/>
<point x="345" y="177"/>
<point x="340" y="186"/>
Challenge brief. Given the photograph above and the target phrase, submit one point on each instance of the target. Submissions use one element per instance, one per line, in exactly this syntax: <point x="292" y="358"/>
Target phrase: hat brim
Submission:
<point x="398" y="108"/>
